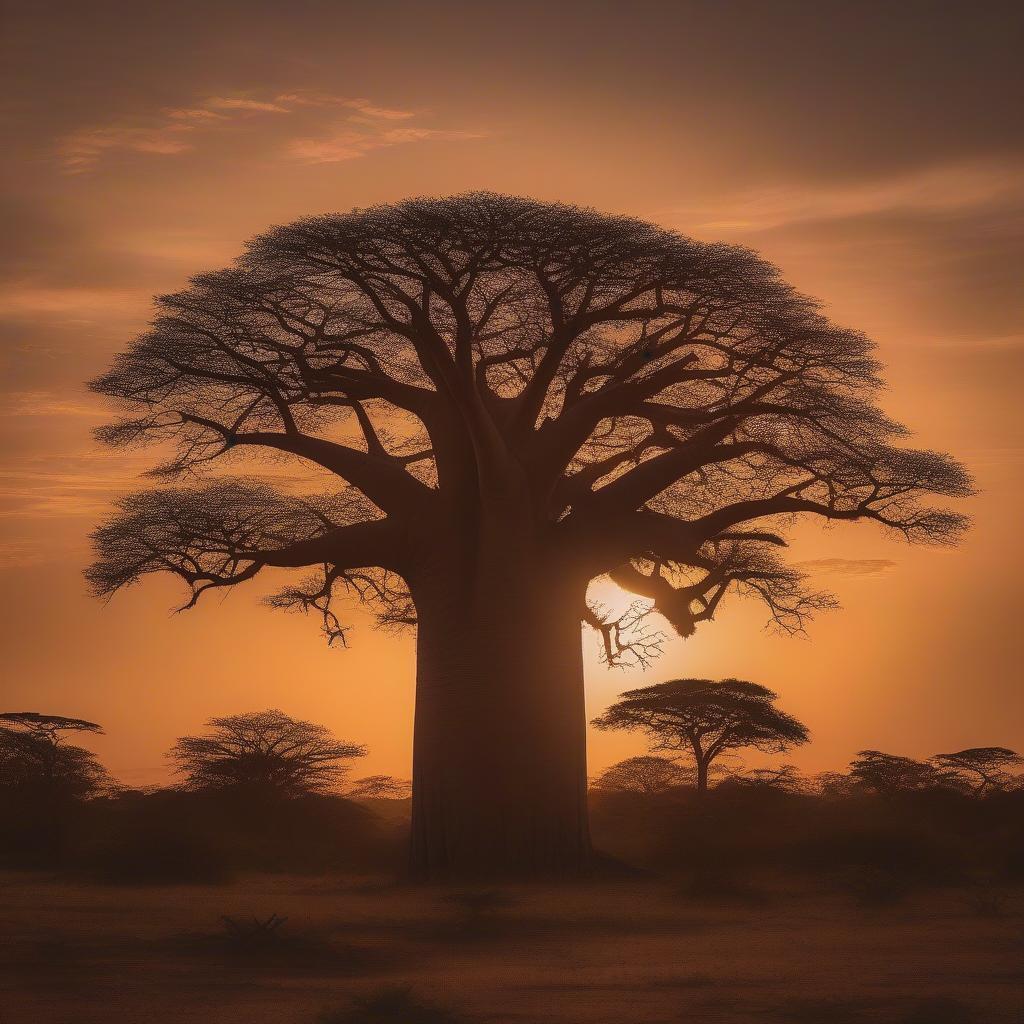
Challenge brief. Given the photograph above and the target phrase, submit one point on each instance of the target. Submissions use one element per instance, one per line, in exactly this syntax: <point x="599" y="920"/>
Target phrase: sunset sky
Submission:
<point x="873" y="151"/>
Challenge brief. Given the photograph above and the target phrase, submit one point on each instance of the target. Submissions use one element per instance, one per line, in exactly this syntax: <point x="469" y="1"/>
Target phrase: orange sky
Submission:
<point x="873" y="151"/>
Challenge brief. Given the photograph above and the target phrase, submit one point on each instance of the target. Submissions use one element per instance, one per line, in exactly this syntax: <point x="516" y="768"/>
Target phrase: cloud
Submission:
<point x="937" y="190"/>
<point x="847" y="566"/>
<point x="363" y="106"/>
<point x="81" y="150"/>
<point x="371" y="110"/>
<point x="45" y="403"/>
<point x="175" y="130"/>
<point x="79" y="484"/>
<point x="26" y="301"/>
<point x="351" y="144"/>
<point x="21" y="554"/>
<point x="198" y="114"/>
<point x="166" y="134"/>
<point x="234" y="103"/>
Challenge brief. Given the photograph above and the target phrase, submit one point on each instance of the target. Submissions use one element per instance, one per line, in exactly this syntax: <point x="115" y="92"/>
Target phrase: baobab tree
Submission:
<point x="499" y="400"/>
<point x="706" y="718"/>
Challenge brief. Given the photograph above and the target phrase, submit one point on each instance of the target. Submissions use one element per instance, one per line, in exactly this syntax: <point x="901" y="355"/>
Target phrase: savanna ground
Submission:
<point x="634" y="951"/>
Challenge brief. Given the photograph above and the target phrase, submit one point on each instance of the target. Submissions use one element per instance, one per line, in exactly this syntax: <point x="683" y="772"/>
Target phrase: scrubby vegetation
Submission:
<point x="261" y="889"/>
<point x="260" y="792"/>
<point x="935" y="832"/>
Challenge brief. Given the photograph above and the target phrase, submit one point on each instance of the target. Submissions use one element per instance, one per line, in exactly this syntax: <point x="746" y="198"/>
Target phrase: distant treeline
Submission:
<point x="258" y="791"/>
<point x="263" y="791"/>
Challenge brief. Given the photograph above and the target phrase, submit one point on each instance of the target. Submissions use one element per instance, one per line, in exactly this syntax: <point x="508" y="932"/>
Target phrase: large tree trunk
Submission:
<point x="499" y="764"/>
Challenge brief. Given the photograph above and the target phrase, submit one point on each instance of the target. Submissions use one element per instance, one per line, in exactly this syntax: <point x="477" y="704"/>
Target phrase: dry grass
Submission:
<point x="625" y="953"/>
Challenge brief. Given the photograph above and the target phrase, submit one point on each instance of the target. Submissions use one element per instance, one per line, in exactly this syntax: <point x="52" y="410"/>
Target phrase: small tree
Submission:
<point x="890" y="774"/>
<point x="833" y="785"/>
<point x="34" y="756"/>
<point x="706" y="718"/>
<point x="981" y="769"/>
<point x="645" y="774"/>
<point x="47" y="727"/>
<point x="264" y="751"/>
<point x="379" y="787"/>
<point x="784" y="777"/>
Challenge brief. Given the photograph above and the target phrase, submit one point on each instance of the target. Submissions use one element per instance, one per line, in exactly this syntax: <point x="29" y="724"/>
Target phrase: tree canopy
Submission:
<point x="665" y="406"/>
<point x="707" y="718"/>
<point x="35" y="759"/>
<point x="981" y="769"/>
<point x="643" y="774"/>
<point x="48" y="727"/>
<point x="379" y="787"/>
<point x="463" y="411"/>
<point x="889" y="774"/>
<point x="264" y="751"/>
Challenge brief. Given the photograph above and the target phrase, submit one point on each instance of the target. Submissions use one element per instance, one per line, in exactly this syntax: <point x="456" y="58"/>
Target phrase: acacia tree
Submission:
<point x="511" y="399"/>
<point x="643" y="774"/>
<point x="47" y="727"/>
<point x="890" y="774"/>
<point x="707" y="718"/>
<point x="379" y="787"/>
<point x="981" y="769"/>
<point x="35" y="757"/>
<point x="265" y="752"/>
<point x="783" y="777"/>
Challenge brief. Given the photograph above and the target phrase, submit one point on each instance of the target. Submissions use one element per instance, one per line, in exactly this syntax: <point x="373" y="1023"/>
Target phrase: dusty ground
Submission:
<point x="629" y="953"/>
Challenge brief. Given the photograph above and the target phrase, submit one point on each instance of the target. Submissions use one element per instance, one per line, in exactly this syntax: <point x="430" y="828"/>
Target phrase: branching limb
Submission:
<point x="225" y="533"/>
<point x="383" y="591"/>
<point x="629" y="640"/>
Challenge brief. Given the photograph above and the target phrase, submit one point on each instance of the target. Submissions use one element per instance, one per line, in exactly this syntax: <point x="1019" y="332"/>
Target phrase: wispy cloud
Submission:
<point x="366" y="126"/>
<point x="348" y="144"/>
<point x="236" y="103"/>
<point x="22" y="553"/>
<point x="362" y="106"/>
<point x="46" y="403"/>
<point x="81" y="150"/>
<point x="19" y="301"/>
<point x="935" y="190"/>
<point x="847" y="566"/>
<point x="79" y="484"/>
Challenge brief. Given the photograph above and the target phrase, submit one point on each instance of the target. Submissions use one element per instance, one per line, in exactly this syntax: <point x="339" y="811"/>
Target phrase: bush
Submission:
<point x="392" y="1005"/>
<point x="265" y="831"/>
<point x="171" y="836"/>
<point x="935" y="836"/>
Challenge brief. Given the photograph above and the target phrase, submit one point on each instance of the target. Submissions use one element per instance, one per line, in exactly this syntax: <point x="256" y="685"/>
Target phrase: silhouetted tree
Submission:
<point x="264" y="751"/>
<point x="982" y="769"/>
<point x="784" y="777"/>
<point x="707" y="718"/>
<point x="379" y="787"/>
<point x="833" y="785"/>
<point x="47" y="727"/>
<point x="35" y="758"/>
<point x="513" y="398"/>
<point x="889" y="774"/>
<point x="644" y="774"/>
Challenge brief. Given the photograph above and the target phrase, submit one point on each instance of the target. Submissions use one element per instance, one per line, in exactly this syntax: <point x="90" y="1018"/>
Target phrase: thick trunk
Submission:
<point x="499" y="764"/>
